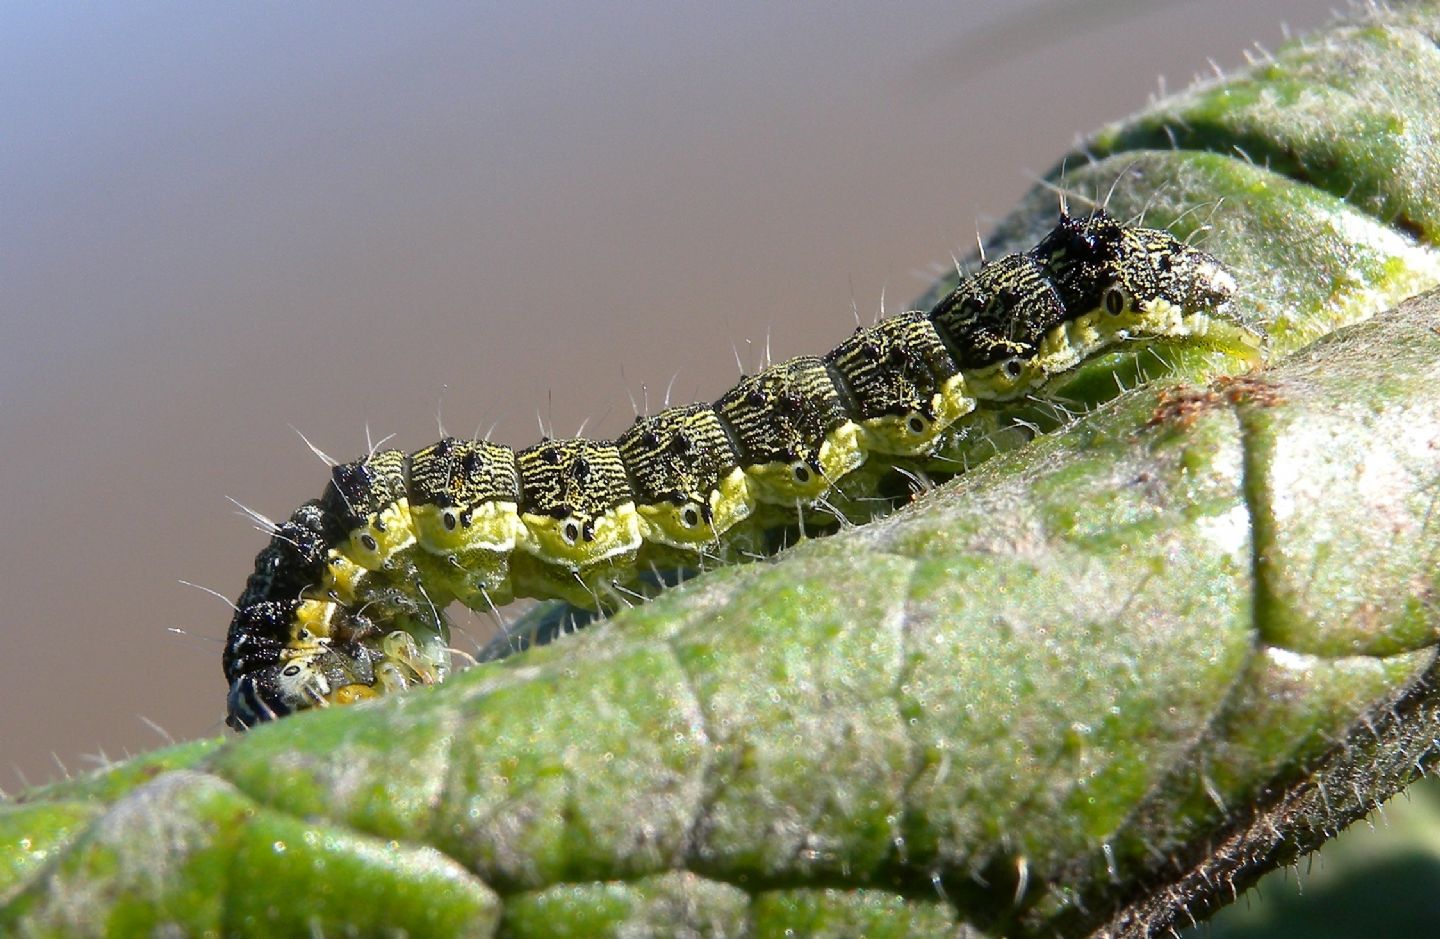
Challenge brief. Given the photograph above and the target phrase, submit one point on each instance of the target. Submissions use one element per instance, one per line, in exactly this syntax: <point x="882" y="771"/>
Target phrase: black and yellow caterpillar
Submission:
<point x="346" y="601"/>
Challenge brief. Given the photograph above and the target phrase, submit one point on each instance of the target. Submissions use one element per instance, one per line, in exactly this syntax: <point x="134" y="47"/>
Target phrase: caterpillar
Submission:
<point x="346" y="601"/>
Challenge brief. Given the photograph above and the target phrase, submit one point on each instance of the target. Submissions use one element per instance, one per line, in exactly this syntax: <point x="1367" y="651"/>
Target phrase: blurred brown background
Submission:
<point x="222" y="221"/>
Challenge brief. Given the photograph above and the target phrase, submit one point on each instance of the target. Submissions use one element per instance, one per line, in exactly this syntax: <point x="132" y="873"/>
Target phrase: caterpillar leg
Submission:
<point x="405" y="663"/>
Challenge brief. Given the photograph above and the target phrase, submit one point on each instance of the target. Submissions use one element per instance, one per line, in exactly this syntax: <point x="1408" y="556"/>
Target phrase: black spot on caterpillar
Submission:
<point x="345" y="603"/>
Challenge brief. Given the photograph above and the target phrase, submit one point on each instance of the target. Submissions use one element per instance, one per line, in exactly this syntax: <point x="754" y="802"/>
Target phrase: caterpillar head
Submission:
<point x="305" y="678"/>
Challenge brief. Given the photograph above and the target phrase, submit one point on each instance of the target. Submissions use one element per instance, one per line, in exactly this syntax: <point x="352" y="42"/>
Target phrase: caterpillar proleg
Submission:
<point x="347" y="600"/>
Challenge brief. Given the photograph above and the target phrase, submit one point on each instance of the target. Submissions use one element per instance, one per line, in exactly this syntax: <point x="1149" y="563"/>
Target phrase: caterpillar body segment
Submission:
<point x="905" y="388"/>
<point x="686" y="476"/>
<point x="347" y="601"/>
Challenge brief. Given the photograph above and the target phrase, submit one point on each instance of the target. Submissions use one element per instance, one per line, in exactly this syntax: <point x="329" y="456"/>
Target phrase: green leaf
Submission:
<point x="1098" y="683"/>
